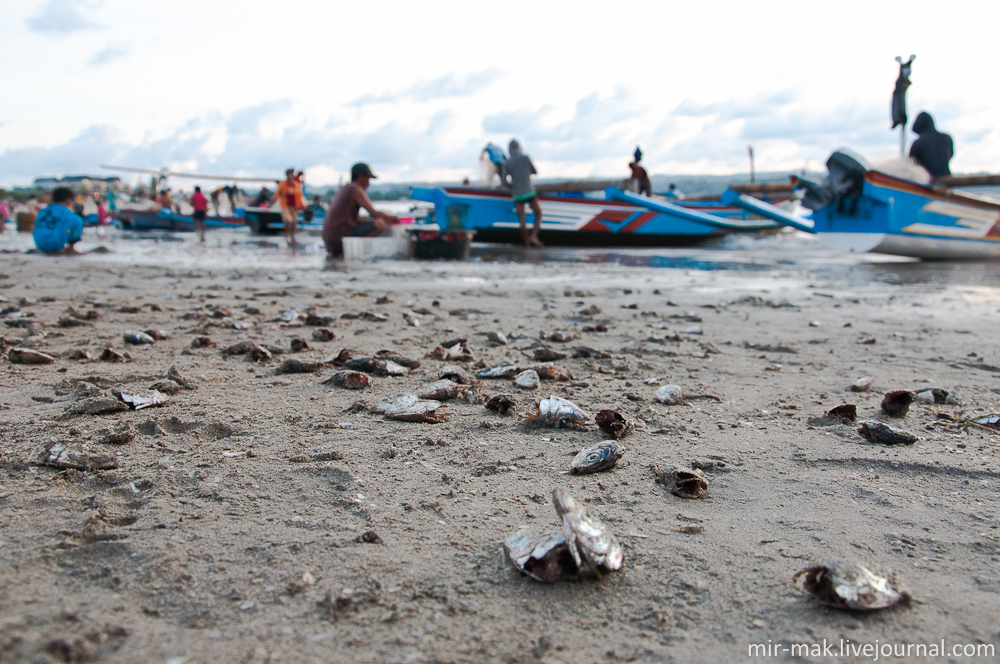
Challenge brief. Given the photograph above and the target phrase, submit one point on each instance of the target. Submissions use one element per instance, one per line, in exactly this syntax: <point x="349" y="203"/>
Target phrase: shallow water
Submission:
<point x="786" y="256"/>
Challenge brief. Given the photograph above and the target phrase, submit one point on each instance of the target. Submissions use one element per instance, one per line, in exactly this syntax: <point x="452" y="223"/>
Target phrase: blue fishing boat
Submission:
<point x="166" y="220"/>
<point x="859" y="209"/>
<point x="621" y="218"/>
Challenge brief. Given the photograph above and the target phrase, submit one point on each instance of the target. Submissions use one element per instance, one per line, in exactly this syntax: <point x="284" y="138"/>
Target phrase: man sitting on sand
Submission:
<point x="343" y="216"/>
<point x="57" y="227"/>
<point x="516" y="173"/>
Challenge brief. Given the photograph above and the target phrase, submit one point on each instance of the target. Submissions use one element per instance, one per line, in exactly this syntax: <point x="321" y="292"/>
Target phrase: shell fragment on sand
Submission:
<point x="613" y="423"/>
<point x="849" y="586"/>
<point x="376" y="366"/>
<point x="97" y="406"/>
<point x="527" y="379"/>
<point x="137" y="338"/>
<point x="591" y="542"/>
<point x="503" y="404"/>
<point x="556" y="412"/>
<point x="595" y="459"/>
<point x="878" y="432"/>
<point x="897" y="403"/>
<point x="79" y="457"/>
<point x="585" y="545"/>
<point x="411" y="408"/>
<point x="499" y="371"/>
<point x="27" y="356"/>
<point x="862" y="384"/>
<point x="541" y="554"/>
<point x="847" y="412"/>
<point x="298" y="366"/>
<point x="140" y="401"/>
<point x="683" y="482"/>
<point x="349" y="380"/>
<point x="401" y="360"/>
<point x="670" y="395"/>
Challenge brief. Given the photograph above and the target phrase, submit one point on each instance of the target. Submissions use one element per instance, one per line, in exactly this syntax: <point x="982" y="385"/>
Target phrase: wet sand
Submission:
<point x="233" y="528"/>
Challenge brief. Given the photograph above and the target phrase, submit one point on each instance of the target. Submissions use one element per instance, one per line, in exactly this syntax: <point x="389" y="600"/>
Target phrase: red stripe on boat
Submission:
<point x="638" y="222"/>
<point x="595" y="226"/>
<point x="614" y="216"/>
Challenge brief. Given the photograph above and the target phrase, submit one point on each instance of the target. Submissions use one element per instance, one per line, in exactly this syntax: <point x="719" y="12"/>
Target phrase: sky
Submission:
<point x="417" y="89"/>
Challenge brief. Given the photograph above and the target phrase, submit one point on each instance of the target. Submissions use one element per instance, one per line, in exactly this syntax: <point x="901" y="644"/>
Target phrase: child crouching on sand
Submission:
<point x="57" y="227"/>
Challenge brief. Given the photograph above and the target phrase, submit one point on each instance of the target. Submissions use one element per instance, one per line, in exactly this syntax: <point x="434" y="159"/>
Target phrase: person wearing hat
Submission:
<point x="343" y="217"/>
<point x="289" y="194"/>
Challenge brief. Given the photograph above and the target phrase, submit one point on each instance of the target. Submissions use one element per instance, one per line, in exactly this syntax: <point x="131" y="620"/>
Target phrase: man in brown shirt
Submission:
<point x="343" y="216"/>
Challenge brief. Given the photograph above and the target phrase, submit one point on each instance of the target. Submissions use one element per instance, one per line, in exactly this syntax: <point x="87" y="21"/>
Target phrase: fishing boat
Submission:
<point x="166" y="220"/>
<point x="265" y="221"/>
<point x="859" y="209"/>
<point x="621" y="218"/>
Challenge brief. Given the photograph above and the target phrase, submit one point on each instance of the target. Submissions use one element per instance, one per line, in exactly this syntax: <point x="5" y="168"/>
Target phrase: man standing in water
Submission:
<point x="343" y="216"/>
<point x="200" y="205"/>
<point x="516" y="173"/>
<point x="289" y="194"/>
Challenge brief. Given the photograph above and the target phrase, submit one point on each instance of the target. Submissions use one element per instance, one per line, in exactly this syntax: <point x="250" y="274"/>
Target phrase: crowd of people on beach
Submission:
<point x="56" y="225"/>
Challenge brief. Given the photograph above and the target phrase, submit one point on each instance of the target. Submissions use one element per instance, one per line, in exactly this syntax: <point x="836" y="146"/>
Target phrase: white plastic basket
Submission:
<point x="369" y="248"/>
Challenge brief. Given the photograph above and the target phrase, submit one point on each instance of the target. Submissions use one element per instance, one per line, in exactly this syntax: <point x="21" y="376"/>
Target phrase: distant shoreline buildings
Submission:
<point x="73" y="181"/>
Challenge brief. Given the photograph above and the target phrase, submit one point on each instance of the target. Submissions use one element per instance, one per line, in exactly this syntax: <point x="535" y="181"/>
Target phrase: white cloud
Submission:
<point x="62" y="17"/>
<point x="448" y="86"/>
<point x="109" y="54"/>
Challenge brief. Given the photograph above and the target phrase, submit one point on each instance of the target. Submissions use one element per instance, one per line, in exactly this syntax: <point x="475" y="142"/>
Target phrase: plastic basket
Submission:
<point x="370" y="248"/>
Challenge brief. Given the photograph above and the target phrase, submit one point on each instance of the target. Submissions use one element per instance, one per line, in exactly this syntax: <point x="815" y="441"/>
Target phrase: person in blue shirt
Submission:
<point x="57" y="227"/>
<point x="497" y="158"/>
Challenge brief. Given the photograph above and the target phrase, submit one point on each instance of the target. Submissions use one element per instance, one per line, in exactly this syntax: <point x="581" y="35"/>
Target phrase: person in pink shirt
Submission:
<point x="200" y="205"/>
<point x="102" y="218"/>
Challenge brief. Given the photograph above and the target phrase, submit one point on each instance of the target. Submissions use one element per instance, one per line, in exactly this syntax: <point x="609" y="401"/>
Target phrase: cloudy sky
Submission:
<point x="417" y="88"/>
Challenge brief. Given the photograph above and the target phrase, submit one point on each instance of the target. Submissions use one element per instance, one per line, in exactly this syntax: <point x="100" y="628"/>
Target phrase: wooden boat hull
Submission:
<point x="572" y="220"/>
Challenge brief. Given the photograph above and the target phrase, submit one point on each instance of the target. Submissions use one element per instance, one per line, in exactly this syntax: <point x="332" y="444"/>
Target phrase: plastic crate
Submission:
<point x="370" y="248"/>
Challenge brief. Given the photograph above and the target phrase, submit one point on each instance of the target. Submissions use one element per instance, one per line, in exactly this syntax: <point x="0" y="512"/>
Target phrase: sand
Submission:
<point x="265" y="517"/>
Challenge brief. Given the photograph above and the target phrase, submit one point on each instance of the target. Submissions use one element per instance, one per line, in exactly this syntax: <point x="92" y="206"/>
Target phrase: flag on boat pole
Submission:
<point x="899" y="101"/>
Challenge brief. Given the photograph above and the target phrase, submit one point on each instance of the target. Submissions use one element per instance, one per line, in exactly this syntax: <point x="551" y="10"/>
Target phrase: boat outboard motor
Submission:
<point x="844" y="183"/>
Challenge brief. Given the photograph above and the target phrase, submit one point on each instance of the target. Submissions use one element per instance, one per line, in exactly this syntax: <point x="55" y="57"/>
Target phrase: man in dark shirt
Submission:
<point x="933" y="150"/>
<point x="343" y="217"/>
<point x="640" y="178"/>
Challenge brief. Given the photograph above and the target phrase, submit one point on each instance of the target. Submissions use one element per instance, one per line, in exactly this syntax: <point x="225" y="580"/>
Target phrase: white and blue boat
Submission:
<point x="621" y="218"/>
<point x="859" y="209"/>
